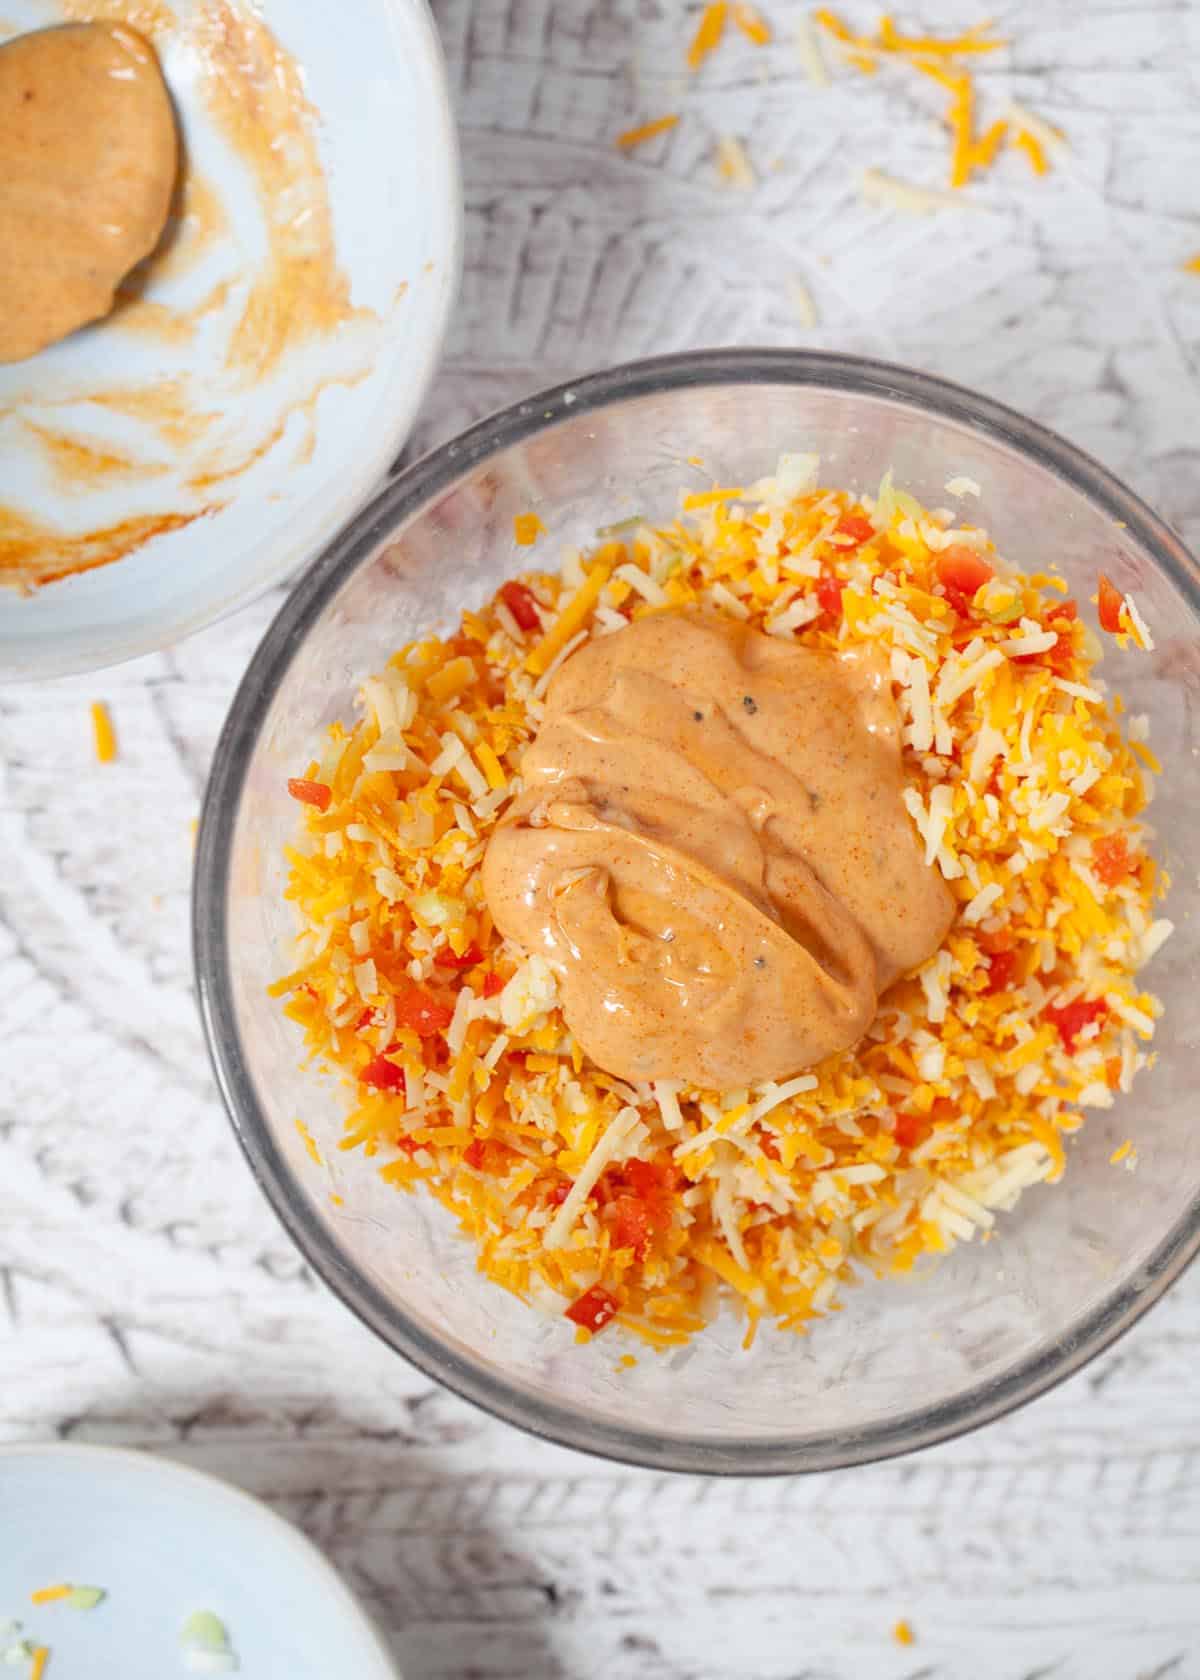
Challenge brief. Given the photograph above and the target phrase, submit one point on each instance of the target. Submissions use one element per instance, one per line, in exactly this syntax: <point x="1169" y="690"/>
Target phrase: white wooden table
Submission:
<point x="146" y="1294"/>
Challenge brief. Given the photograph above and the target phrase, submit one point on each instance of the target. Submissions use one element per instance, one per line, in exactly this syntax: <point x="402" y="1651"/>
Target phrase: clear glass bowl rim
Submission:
<point x="394" y="504"/>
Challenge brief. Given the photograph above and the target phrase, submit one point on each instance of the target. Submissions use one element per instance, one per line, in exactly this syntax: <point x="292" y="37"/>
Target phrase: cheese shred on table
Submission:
<point x="942" y="60"/>
<point x="655" y="1203"/>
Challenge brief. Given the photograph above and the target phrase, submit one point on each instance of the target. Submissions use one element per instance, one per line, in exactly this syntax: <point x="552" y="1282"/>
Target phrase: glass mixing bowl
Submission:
<point x="905" y="1363"/>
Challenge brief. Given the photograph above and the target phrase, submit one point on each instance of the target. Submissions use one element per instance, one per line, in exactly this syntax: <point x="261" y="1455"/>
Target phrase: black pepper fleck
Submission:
<point x="750" y="703"/>
<point x="760" y="962"/>
<point x="699" y="716"/>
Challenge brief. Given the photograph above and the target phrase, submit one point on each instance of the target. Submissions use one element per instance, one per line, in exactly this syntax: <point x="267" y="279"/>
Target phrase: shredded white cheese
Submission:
<point x="605" y="1150"/>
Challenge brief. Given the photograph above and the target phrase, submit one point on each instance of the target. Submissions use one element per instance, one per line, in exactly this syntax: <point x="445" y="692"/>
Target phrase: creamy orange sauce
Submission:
<point x="254" y="91"/>
<point x="163" y="322"/>
<point x="713" y="853"/>
<point x="87" y="138"/>
<point x="217" y="469"/>
<point x="166" y="407"/>
<point x="32" y="554"/>
<point x="196" y="222"/>
<point x="78" y="463"/>
<point x="150" y="17"/>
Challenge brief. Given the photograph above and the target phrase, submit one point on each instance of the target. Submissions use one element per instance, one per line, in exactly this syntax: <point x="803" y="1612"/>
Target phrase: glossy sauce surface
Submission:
<point x="87" y="138"/>
<point x="712" y="851"/>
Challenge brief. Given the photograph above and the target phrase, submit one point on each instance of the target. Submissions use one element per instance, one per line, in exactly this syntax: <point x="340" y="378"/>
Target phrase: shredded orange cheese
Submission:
<point x="1192" y="266"/>
<point x="647" y="131"/>
<point x="570" y="620"/>
<point x="752" y="24"/>
<point x="50" y="1595"/>
<point x="40" y="1658"/>
<point x="903" y="1634"/>
<point x="940" y="59"/>
<point x="1033" y="149"/>
<point x="527" y="528"/>
<point x="310" y="1143"/>
<point x="708" y="33"/>
<point x="104" y="736"/>
<point x="661" y="1204"/>
<point x="972" y="41"/>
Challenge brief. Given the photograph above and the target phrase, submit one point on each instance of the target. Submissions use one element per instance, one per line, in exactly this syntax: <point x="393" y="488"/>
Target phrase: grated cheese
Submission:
<point x="733" y="166"/>
<point x="775" y="1197"/>
<point x="606" y="1150"/>
<point x="809" y="50"/>
<point x="646" y="131"/>
<point x="103" y="734"/>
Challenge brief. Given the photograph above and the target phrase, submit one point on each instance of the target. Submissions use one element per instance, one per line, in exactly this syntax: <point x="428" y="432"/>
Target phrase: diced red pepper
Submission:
<point x="310" y="793"/>
<point x="492" y="984"/>
<point x="1061" y="655"/>
<point x="637" y="1197"/>
<point x="521" y="605"/>
<point x="631" y="1224"/>
<point x="829" y="594"/>
<point x="961" y="571"/>
<point x="1109" y="602"/>
<point x="468" y="959"/>
<point x="647" y="1177"/>
<point x="558" y="1195"/>
<point x="382" y="1075"/>
<point x="1112" y="862"/>
<point x="420" y="1010"/>
<point x="962" y="568"/>
<point x="910" y="1130"/>
<point x="1072" y="1018"/>
<point x="593" y="1310"/>
<point x="856" y="526"/>
<point x="1001" y="967"/>
<point x="483" y="1153"/>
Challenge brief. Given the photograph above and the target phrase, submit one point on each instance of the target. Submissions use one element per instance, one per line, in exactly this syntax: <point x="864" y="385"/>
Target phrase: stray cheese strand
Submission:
<point x="939" y="60"/>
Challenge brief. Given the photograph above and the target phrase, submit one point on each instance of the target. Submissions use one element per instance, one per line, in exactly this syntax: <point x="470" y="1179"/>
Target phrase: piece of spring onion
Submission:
<point x="630" y="524"/>
<point x="85" y="1598"/>
<point x="205" y="1629"/>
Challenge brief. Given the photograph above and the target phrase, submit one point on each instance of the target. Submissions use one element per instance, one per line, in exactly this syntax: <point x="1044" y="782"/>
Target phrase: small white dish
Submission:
<point x="310" y="437"/>
<point x="164" y="1542"/>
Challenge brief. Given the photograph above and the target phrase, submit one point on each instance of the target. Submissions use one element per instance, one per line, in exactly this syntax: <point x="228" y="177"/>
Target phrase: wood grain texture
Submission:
<point x="146" y="1294"/>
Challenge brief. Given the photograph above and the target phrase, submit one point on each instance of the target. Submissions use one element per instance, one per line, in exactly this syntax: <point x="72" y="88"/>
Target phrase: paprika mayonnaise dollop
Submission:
<point x="712" y="851"/>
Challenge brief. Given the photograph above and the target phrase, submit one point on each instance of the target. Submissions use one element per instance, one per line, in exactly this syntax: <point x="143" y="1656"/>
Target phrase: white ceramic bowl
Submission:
<point x="321" y="429"/>
<point x="164" y="1541"/>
